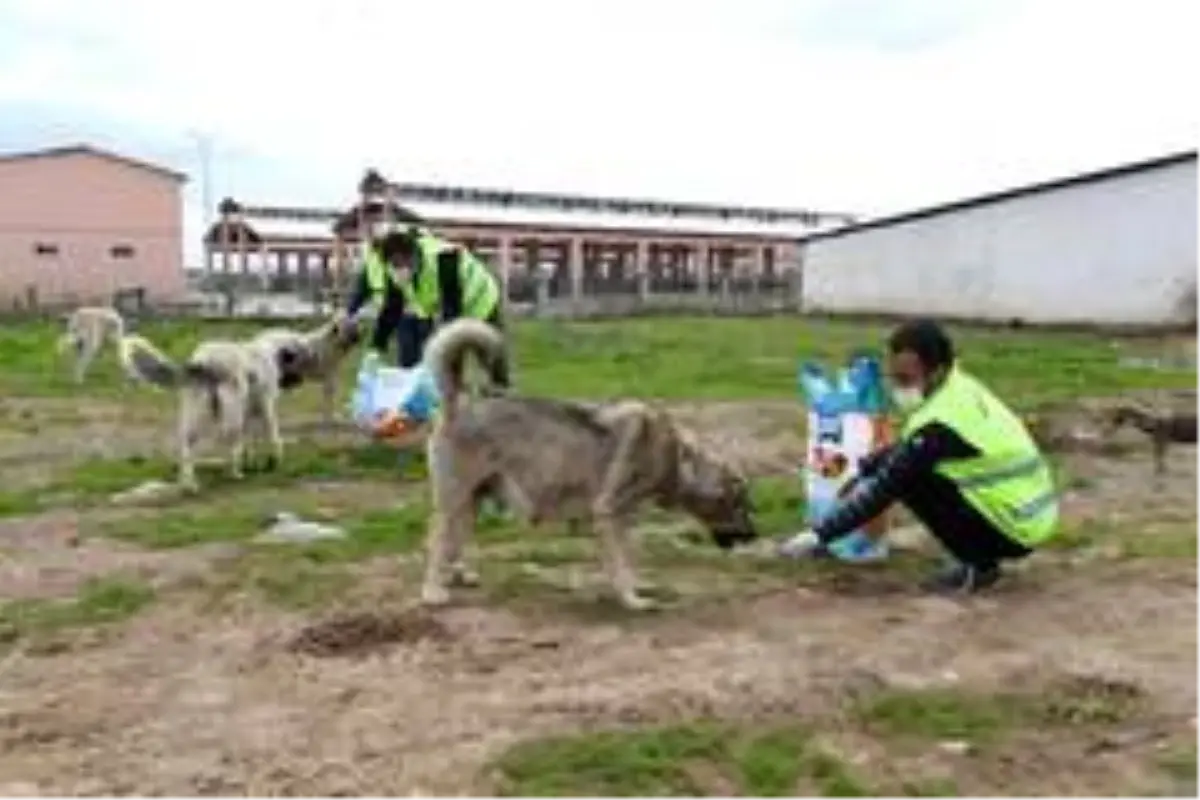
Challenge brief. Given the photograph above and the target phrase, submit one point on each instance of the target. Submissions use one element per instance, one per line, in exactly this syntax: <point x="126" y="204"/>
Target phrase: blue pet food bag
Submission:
<point x="390" y="401"/>
<point x="846" y="421"/>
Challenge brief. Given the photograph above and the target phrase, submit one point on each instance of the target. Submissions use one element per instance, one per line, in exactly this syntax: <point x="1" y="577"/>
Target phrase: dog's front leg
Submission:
<point x="328" y="391"/>
<point x="614" y="550"/>
<point x="84" y="353"/>
<point x="271" y="421"/>
<point x="232" y="405"/>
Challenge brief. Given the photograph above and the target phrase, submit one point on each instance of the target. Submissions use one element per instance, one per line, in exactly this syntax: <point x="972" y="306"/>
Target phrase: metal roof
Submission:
<point x="1005" y="194"/>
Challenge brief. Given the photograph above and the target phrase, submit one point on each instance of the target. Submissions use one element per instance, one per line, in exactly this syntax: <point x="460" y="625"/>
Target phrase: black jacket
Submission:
<point x="887" y="475"/>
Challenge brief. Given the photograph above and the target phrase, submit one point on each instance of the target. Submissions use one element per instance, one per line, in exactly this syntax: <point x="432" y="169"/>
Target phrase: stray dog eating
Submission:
<point x="559" y="460"/>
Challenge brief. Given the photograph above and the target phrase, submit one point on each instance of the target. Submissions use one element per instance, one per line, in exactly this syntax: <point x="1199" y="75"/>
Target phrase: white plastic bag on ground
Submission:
<point x="390" y="402"/>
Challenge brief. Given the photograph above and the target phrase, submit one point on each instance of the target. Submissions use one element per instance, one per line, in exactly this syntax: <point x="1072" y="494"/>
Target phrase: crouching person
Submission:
<point x="964" y="465"/>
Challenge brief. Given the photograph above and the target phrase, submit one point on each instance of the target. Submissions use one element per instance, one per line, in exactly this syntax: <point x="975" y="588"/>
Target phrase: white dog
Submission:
<point x="88" y="327"/>
<point x="231" y="384"/>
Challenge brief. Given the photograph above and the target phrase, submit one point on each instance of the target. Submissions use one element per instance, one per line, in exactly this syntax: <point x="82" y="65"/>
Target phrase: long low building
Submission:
<point x="1116" y="246"/>
<point x="582" y="245"/>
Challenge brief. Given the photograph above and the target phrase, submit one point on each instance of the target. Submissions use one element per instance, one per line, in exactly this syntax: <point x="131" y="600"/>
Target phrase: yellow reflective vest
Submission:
<point x="1010" y="483"/>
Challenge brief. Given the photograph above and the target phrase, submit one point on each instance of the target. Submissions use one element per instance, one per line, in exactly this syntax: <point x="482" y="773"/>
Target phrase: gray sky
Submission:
<point x="863" y="105"/>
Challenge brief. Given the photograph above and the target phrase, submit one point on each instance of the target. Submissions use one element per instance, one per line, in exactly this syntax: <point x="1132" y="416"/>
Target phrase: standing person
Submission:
<point x="965" y="466"/>
<point x="441" y="280"/>
<point x="376" y="285"/>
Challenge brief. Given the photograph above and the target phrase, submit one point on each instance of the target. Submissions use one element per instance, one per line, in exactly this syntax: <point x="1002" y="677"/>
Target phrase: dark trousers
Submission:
<point x="967" y="534"/>
<point x="410" y="332"/>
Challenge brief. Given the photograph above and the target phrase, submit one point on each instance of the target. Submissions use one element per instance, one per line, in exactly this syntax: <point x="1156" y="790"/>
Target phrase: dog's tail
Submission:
<point x="445" y="356"/>
<point x="144" y="362"/>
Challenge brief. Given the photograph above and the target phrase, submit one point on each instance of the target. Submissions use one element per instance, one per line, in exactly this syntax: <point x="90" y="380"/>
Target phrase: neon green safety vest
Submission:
<point x="481" y="292"/>
<point x="1009" y="483"/>
<point x="379" y="274"/>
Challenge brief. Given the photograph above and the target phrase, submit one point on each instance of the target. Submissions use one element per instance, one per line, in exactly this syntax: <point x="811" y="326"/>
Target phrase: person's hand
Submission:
<point x="803" y="544"/>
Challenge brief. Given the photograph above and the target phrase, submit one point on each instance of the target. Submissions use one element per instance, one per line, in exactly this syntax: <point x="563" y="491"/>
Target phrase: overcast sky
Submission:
<point x="861" y="105"/>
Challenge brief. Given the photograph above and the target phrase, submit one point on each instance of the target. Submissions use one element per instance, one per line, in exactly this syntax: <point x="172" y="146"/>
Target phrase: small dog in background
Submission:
<point x="88" y="328"/>
<point x="552" y="459"/>
<point x="1163" y="428"/>
<point x="231" y="385"/>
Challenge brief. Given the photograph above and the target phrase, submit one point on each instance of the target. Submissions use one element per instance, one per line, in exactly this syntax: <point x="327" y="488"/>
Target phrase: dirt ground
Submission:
<point x="252" y="699"/>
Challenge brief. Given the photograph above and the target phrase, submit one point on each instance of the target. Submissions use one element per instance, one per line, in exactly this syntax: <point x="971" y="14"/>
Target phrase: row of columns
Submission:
<point x="572" y="266"/>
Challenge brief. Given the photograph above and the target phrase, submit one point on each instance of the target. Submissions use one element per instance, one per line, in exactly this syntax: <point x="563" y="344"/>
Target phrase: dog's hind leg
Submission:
<point x="189" y="420"/>
<point x="449" y="525"/>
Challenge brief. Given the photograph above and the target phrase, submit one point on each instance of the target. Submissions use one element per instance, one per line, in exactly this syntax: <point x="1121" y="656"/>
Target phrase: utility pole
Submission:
<point x="204" y="144"/>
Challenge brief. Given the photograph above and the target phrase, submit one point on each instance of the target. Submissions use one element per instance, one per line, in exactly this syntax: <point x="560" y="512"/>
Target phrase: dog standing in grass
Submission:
<point x="550" y="459"/>
<point x="88" y="328"/>
<point x="232" y="385"/>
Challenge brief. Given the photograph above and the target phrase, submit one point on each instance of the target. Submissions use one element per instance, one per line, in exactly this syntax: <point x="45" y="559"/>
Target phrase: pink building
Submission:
<point x="78" y="224"/>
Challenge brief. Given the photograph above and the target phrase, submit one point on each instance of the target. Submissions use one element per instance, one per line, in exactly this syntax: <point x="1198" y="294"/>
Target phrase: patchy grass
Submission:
<point x="99" y="602"/>
<point x="1169" y="538"/>
<point x="693" y="760"/>
<point x="1179" y="764"/>
<point x="674" y="357"/>
<point x="88" y="482"/>
<point x="939" y="714"/>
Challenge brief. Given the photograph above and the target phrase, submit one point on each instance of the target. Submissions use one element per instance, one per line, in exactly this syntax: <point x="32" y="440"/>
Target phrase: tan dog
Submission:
<point x="229" y="384"/>
<point x="88" y="328"/>
<point x="566" y="461"/>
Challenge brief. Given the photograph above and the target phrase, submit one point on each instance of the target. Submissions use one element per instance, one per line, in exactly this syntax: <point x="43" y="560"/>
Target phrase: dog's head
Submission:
<point x="294" y="361"/>
<point x="716" y="493"/>
<point x="342" y="332"/>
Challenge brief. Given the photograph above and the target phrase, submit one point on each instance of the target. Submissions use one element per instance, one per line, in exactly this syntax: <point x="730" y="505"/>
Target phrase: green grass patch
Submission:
<point x="95" y="480"/>
<point x="100" y="601"/>
<point x="673" y="357"/>
<point x="939" y="714"/>
<point x="699" y="759"/>
<point x="1168" y="539"/>
<point x="1179" y="764"/>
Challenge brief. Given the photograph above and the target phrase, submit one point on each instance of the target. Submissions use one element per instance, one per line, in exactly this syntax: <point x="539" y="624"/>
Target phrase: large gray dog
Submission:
<point x="551" y="459"/>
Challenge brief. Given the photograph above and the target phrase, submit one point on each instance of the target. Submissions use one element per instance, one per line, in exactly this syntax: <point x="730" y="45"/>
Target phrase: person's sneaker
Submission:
<point x="962" y="579"/>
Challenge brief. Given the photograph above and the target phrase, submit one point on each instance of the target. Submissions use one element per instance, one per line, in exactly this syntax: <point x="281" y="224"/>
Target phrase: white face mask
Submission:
<point x="907" y="398"/>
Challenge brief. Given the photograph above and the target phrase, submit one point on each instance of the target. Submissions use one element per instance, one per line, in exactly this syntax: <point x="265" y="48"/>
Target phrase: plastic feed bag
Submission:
<point x="389" y="402"/>
<point x="846" y="422"/>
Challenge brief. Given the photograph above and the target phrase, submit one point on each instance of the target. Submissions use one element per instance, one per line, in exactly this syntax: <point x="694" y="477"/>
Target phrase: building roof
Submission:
<point x="1005" y="194"/>
<point x="96" y="152"/>
<point x="601" y="222"/>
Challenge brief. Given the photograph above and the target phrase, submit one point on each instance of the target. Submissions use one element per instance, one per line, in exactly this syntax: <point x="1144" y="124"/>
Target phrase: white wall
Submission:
<point x="1119" y="250"/>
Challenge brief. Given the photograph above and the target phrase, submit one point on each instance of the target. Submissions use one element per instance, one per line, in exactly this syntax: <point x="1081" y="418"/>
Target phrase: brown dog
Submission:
<point x="1162" y="428"/>
<point x="564" y="461"/>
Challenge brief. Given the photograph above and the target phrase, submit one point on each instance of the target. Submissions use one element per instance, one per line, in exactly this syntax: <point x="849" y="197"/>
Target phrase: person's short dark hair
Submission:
<point x="927" y="340"/>
<point x="397" y="244"/>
